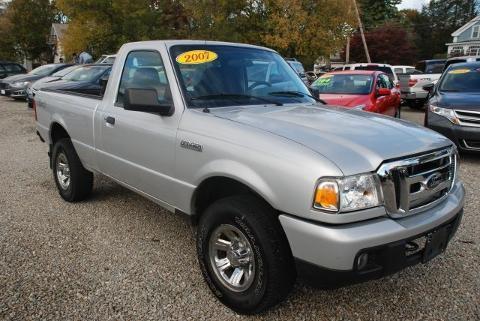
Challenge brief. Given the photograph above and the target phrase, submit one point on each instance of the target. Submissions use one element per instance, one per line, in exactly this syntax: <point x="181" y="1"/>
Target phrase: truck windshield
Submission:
<point x="461" y="79"/>
<point x="344" y="84"/>
<point x="222" y="75"/>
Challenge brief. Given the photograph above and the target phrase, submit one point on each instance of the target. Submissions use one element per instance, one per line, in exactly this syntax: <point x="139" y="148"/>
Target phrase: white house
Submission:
<point x="55" y="40"/>
<point x="466" y="40"/>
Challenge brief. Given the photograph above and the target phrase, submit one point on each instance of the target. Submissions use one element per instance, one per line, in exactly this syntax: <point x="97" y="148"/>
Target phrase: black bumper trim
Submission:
<point x="384" y="260"/>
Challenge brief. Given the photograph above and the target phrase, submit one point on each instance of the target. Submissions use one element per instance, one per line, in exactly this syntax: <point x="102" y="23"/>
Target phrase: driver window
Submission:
<point x="144" y="70"/>
<point x="381" y="83"/>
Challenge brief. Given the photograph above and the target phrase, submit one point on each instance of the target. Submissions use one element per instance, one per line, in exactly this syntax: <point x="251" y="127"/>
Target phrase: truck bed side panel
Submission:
<point x="75" y="114"/>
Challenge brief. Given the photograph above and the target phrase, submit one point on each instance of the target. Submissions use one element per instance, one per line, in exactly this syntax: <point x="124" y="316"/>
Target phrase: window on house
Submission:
<point x="473" y="51"/>
<point x="476" y="31"/>
<point x="456" y="51"/>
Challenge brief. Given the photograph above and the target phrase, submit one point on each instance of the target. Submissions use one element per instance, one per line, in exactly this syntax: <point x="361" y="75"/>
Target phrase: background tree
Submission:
<point x="376" y="12"/>
<point x="29" y="22"/>
<point x="387" y="44"/>
<point x="307" y="29"/>
<point x="102" y="26"/>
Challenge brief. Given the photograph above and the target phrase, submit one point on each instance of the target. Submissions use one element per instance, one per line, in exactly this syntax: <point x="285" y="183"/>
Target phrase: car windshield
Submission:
<point x="64" y="71"/>
<point x="219" y="75"/>
<point x="461" y="79"/>
<point x="44" y="70"/>
<point x="86" y="73"/>
<point x="344" y="84"/>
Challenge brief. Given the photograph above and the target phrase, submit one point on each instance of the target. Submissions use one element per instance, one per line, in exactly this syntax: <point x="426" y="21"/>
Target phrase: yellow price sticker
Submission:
<point x="195" y="57"/>
<point x="459" y="71"/>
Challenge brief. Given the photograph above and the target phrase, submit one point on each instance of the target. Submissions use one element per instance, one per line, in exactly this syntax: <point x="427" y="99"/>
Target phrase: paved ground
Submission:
<point x="121" y="257"/>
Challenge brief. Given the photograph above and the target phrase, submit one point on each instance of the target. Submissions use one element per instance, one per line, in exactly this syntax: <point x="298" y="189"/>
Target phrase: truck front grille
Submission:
<point x="415" y="184"/>
<point x="468" y="118"/>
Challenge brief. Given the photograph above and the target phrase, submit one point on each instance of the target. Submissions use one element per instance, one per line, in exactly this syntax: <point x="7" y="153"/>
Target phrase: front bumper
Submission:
<point x="466" y="138"/>
<point x="336" y="248"/>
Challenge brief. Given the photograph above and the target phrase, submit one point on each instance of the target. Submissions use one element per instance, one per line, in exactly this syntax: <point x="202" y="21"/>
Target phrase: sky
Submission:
<point x="412" y="4"/>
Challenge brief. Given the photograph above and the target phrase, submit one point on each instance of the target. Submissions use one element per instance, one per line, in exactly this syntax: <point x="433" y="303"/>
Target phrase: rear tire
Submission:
<point x="73" y="181"/>
<point x="244" y="233"/>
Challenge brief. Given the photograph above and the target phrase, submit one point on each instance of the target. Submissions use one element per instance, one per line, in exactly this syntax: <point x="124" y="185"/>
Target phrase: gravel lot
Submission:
<point x="119" y="256"/>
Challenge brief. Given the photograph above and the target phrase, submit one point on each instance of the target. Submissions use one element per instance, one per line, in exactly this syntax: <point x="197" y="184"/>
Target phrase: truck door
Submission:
<point x="138" y="148"/>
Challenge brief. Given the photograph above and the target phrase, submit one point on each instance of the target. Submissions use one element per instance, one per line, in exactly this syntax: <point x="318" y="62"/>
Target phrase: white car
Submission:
<point x="386" y="68"/>
<point x="405" y="70"/>
<point x="106" y="59"/>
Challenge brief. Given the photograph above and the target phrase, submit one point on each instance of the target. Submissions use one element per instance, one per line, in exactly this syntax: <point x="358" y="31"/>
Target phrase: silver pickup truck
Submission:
<point x="279" y="184"/>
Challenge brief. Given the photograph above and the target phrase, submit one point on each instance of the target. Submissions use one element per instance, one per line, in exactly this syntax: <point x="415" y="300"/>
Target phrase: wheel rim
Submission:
<point x="63" y="171"/>
<point x="232" y="258"/>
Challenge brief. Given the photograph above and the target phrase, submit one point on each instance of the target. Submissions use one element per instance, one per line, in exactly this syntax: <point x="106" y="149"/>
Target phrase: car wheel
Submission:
<point x="73" y="181"/>
<point x="244" y="254"/>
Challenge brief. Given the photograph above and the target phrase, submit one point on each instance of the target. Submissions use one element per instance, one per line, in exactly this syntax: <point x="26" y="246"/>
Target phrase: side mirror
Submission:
<point x="146" y="100"/>
<point x="315" y="92"/>
<point x="384" y="92"/>
<point x="428" y="87"/>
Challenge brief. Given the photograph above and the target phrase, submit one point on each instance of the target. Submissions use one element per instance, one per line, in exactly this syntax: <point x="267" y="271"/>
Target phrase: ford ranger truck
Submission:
<point x="278" y="184"/>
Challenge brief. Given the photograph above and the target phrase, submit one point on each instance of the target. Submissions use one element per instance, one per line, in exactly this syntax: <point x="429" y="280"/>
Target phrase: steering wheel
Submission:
<point x="258" y="83"/>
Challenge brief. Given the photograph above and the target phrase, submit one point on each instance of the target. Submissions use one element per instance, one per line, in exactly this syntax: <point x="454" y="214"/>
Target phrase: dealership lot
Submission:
<point x="119" y="256"/>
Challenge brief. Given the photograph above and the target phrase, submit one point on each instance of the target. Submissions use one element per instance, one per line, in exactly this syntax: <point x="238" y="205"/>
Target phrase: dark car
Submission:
<point x="10" y="68"/>
<point x="35" y="86"/>
<point x="16" y="86"/>
<point x="454" y="106"/>
<point x="87" y="79"/>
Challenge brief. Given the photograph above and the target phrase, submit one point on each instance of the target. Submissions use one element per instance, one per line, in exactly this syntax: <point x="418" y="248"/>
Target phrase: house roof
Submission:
<point x="59" y="30"/>
<point x="466" y="26"/>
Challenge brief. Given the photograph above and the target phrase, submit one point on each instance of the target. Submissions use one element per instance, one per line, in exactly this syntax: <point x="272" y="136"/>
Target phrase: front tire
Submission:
<point x="244" y="254"/>
<point x="73" y="181"/>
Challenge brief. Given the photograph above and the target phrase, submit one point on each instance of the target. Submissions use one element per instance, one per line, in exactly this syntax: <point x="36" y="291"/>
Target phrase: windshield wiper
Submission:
<point x="295" y="94"/>
<point x="234" y="96"/>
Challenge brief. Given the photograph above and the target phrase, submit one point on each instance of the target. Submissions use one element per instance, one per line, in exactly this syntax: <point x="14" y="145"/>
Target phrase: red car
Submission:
<point x="368" y="90"/>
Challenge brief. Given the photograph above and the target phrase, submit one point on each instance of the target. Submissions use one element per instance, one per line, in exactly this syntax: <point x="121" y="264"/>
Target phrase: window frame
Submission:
<point x="476" y="29"/>
<point x="116" y="103"/>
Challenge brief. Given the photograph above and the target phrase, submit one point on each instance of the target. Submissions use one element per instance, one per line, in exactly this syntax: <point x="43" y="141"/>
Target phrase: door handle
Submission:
<point x="110" y="120"/>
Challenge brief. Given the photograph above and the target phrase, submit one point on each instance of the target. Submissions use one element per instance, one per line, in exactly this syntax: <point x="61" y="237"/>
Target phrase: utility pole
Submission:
<point x="347" y="51"/>
<point x="360" y="25"/>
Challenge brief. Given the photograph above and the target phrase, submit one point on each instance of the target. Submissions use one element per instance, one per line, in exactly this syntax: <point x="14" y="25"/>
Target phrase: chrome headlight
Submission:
<point x="346" y="194"/>
<point x="444" y="112"/>
<point x="21" y="84"/>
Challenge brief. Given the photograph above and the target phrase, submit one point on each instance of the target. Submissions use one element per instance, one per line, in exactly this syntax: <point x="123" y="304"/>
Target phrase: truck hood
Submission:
<point x="345" y="100"/>
<point x="355" y="141"/>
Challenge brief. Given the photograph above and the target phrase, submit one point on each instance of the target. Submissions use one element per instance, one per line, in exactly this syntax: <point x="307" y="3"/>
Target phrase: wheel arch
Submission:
<point x="217" y="187"/>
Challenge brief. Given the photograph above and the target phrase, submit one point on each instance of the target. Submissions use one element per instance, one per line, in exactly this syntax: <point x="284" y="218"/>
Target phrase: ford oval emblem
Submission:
<point x="434" y="180"/>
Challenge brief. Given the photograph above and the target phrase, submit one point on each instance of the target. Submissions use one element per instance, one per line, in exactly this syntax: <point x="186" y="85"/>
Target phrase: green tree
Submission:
<point x="29" y="22"/>
<point x="376" y="12"/>
<point x="102" y="26"/>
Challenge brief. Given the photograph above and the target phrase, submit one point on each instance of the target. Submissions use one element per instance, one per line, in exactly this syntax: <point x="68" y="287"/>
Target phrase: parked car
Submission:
<point x="411" y="85"/>
<point x="405" y="70"/>
<point x="371" y="91"/>
<point x="8" y="69"/>
<point x="459" y="60"/>
<point x="299" y="69"/>
<point x="33" y="87"/>
<point x="106" y="59"/>
<point x="386" y="68"/>
<point x="16" y="86"/>
<point x="454" y="106"/>
<point x="278" y="183"/>
<point x="87" y="79"/>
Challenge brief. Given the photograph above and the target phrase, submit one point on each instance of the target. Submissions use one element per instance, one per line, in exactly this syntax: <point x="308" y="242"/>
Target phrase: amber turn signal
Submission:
<point x="327" y="196"/>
